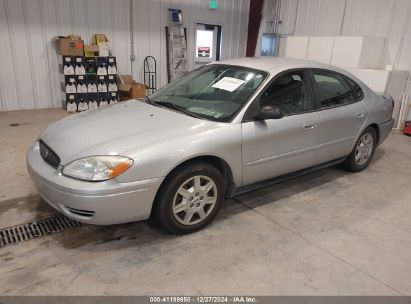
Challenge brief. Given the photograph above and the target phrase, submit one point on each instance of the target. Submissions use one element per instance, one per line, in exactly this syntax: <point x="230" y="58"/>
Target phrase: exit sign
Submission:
<point x="213" y="4"/>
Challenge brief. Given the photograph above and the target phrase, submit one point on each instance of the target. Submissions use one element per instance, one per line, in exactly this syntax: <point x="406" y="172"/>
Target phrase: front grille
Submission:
<point x="85" y="213"/>
<point x="49" y="156"/>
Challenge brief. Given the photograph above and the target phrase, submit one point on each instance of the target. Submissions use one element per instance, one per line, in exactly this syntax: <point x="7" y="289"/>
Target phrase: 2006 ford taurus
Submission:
<point x="220" y="130"/>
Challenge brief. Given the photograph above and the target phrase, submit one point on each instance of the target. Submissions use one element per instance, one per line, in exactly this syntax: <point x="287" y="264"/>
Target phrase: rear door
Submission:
<point x="342" y="113"/>
<point x="274" y="147"/>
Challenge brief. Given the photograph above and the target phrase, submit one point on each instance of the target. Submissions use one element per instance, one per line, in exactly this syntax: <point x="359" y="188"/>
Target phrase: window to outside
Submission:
<point x="290" y="93"/>
<point x="215" y="92"/>
<point x="333" y="90"/>
<point x="269" y="44"/>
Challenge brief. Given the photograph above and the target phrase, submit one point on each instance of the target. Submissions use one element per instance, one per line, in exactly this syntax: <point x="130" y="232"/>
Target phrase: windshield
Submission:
<point x="216" y="92"/>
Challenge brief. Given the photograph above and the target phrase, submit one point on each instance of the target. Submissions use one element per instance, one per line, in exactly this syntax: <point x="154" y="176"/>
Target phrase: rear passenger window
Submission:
<point x="358" y="93"/>
<point x="333" y="90"/>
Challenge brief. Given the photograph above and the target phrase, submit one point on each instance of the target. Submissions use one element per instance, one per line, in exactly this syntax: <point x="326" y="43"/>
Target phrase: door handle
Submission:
<point x="359" y="115"/>
<point x="309" y="126"/>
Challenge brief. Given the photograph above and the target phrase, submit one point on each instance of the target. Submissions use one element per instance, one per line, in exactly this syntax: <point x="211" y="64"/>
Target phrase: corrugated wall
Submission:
<point x="151" y="18"/>
<point x="29" y="67"/>
<point x="377" y="18"/>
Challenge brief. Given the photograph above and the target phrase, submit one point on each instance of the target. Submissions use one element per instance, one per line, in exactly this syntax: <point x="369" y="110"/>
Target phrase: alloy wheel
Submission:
<point x="364" y="148"/>
<point x="194" y="200"/>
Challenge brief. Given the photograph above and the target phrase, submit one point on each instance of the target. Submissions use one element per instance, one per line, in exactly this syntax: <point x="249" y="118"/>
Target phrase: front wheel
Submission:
<point x="363" y="151"/>
<point x="190" y="198"/>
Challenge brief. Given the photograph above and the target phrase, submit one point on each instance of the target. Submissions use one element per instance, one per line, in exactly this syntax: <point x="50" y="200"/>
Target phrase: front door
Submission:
<point x="278" y="146"/>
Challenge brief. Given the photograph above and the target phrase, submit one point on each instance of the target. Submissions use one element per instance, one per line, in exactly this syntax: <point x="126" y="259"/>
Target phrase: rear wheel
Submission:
<point x="190" y="198"/>
<point x="363" y="151"/>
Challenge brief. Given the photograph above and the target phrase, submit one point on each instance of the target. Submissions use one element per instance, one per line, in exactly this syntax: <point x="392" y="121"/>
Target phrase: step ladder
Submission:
<point x="177" y="46"/>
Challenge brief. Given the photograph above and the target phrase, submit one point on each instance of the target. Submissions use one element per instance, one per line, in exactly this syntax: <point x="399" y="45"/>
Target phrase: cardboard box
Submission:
<point x="130" y="89"/>
<point x="103" y="44"/>
<point x="99" y="39"/>
<point x="91" y="50"/>
<point x="71" y="45"/>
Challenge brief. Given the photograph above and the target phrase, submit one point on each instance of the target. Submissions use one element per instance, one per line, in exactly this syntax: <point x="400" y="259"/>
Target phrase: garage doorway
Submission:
<point x="208" y="43"/>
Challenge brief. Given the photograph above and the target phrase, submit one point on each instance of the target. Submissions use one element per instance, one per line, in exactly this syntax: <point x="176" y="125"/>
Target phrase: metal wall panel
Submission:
<point x="368" y="17"/>
<point x="151" y="18"/>
<point x="322" y="17"/>
<point x="29" y="65"/>
<point x="376" y="18"/>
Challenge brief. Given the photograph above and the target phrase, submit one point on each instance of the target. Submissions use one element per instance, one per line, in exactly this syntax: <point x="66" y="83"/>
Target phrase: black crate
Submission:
<point x="91" y="66"/>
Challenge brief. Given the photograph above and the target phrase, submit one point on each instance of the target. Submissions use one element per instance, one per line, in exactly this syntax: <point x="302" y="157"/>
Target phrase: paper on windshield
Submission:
<point x="228" y="84"/>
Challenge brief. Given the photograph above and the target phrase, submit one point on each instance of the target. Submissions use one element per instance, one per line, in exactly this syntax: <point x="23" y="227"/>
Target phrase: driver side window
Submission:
<point x="289" y="92"/>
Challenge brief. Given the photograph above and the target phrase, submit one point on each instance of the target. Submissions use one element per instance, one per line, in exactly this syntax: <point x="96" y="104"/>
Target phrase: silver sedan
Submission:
<point x="221" y="130"/>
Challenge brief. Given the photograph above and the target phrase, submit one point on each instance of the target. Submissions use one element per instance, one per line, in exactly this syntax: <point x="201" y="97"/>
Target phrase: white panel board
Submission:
<point x="296" y="47"/>
<point x="357" y="52"/>
<point x="396" y="87"/>
<point x="320" y="49"/>
<point x="376" y="79"/>
<point x="371" y="54"/>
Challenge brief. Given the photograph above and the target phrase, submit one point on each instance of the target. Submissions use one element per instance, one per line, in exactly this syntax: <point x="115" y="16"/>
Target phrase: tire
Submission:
<point x="362" y="152"/>
<point x="184" y="203"/>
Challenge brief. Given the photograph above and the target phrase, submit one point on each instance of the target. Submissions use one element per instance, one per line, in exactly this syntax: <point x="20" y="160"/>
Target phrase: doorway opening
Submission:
<point x="208" y="43"/>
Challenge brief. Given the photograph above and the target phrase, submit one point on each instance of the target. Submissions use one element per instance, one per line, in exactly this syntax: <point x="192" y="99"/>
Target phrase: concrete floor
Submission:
<point x="327" y="233"/>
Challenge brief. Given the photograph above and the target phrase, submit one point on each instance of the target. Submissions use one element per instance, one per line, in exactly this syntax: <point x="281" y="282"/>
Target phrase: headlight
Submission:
<point x="98" y="168"/>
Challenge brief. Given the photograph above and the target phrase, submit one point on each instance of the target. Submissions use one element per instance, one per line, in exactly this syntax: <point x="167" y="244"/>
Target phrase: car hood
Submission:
<point x="117" y="129"/>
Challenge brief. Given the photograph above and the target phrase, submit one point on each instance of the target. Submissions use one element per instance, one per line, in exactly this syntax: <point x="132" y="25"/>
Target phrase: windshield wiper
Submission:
<point x="176" y="107"/>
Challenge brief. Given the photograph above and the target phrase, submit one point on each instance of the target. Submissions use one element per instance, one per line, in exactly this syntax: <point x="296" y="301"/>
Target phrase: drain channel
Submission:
<point x="36" y="229"/>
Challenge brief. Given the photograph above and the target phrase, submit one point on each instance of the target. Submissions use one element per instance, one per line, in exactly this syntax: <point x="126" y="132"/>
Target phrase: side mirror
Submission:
<point x="269" y="112"/>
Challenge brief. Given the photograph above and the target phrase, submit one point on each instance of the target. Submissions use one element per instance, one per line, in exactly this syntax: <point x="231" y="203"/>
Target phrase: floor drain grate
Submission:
<point x="25" y="232"/>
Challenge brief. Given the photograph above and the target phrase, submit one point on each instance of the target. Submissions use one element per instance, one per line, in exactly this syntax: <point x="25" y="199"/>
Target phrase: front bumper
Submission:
<point x="385" y="130"/>
<point x="100" y="203"/>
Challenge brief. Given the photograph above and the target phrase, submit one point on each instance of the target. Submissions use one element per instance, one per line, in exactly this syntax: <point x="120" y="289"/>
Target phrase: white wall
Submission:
<point x="28" y="63"/>
<point x="151" y="18"/>
<point x="377" y="18"/>
<point x="390" y="19"/>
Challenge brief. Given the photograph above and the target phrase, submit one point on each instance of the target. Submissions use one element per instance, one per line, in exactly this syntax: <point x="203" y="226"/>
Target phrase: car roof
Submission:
<point x="272" y="64"/>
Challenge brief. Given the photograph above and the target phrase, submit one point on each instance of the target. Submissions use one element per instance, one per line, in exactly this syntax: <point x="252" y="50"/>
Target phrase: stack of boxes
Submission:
<point x="87" y="82"/>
